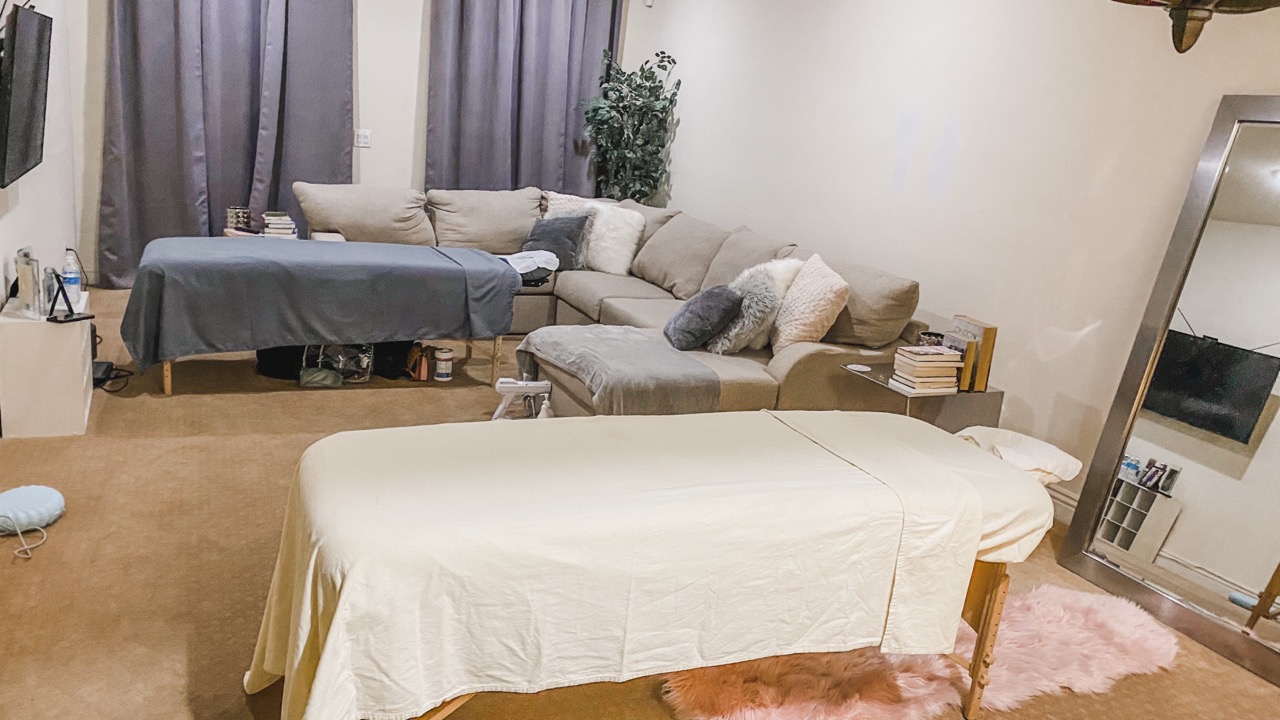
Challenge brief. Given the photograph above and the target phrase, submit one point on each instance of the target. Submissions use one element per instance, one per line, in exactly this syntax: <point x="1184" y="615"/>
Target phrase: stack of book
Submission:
<point x="278" y="224"/>
<point x="926" y="370"/>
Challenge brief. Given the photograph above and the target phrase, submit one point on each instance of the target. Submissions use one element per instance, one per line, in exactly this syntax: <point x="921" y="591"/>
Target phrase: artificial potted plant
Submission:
<point x="630" y="127"/>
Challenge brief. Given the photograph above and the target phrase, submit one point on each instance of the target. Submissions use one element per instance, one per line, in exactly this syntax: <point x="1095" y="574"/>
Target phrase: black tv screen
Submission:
<point x="1211" y="385"/>
<point x="24" y="85"/>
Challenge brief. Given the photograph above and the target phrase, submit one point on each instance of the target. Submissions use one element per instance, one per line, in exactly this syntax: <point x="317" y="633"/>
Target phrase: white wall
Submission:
<point x="86" y="26"/>
<point x="39" y="209"/>
<point x="392" y="42"/>
<point x="1025" y="161"/>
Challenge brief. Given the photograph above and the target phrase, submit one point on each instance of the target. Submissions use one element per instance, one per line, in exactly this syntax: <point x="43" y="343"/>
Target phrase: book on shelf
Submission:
<point x="947" y="370"/>
<point x="908" y="362"/>
<point x="968" y="348"/>
<point x="925" y="382"/>
<point x="928" y="353"/>
<point x="985" y="336"/>
<point x="920" y="392"/>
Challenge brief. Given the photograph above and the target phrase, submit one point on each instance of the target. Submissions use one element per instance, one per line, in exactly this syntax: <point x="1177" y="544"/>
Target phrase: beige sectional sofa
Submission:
<point x="679" y="256"/>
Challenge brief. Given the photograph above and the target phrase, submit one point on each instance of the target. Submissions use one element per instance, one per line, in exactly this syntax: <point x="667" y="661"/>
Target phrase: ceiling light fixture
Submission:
<point x="1190" y="16"/>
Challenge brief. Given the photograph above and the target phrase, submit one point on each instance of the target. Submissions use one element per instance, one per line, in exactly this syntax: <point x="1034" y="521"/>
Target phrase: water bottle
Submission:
<point x="71" y="278"/>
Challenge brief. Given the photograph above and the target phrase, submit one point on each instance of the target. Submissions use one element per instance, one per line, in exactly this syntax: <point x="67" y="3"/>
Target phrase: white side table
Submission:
<point x="46" y="375"/>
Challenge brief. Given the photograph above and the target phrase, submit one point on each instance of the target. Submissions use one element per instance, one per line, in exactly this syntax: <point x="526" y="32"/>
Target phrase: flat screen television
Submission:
<point x="1211" y="385"/>
<point x="24" y="85"/>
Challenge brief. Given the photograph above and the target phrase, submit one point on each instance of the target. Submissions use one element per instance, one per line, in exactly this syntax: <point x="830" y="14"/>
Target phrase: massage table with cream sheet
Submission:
<point x="421" y="565"/>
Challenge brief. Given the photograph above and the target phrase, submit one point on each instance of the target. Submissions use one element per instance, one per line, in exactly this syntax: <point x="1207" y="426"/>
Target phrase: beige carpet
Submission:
<point x="146" y="599"/>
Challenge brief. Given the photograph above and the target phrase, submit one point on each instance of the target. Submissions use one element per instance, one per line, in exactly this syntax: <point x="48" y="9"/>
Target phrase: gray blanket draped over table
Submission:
<point x="204" y="295"/>
<point x="627" y="371"/>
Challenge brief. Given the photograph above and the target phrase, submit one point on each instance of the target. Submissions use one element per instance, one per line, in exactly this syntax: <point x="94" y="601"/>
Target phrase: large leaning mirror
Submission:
<point x="1181" y="508"/>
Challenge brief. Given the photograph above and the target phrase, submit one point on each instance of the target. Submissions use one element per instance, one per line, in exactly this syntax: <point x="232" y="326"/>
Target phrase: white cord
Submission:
<point x="24" y="552"/>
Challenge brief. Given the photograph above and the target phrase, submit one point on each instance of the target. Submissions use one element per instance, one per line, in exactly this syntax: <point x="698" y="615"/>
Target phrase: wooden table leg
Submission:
<point x="448" y="708"/>
<point x="983" y="607"/>
<point x="1266" y="600"/>
<point x="168" y="377"/>
<point x="497" y="361"/>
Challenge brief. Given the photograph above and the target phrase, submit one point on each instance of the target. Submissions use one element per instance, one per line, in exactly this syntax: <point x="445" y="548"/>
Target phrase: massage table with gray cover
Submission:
<point x="199" y="295"/>
<point x="419" y="566"/>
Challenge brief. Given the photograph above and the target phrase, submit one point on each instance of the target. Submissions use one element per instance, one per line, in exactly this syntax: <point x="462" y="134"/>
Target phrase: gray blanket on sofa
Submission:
<point x="627" y="371"/>
<point x="204" y="295"/>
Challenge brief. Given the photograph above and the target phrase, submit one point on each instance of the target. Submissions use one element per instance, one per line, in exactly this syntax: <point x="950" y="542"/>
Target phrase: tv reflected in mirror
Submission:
<point x="1211" y="385"/>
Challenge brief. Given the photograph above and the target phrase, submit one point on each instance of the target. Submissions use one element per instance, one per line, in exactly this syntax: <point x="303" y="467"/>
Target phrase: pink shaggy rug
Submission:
<point x="1050" y="640"/>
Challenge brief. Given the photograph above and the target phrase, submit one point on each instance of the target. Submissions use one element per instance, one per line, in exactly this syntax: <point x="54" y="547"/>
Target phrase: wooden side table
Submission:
<point x="952" y="413"/>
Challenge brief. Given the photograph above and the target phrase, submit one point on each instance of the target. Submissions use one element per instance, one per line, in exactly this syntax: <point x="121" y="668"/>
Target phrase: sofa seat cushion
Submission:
<point x="745" y="383"/>
<point x="639" y="312"/>
<point x="497" y="221"/>
<point x="587" y="290"/>
<point x="676" y="258"/>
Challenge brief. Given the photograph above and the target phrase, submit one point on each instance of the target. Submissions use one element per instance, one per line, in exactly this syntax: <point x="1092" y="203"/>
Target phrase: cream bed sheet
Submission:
<point x="418" y="564"/>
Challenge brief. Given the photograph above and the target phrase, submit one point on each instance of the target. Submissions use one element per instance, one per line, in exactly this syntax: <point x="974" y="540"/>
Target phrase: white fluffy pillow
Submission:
<point x="612" y="237"/>
<point x="811" y="305"/>
<point x="1037" y="458"/>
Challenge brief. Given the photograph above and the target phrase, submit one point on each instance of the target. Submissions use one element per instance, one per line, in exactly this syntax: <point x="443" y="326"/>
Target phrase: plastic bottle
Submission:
<point x="71" y="277"/>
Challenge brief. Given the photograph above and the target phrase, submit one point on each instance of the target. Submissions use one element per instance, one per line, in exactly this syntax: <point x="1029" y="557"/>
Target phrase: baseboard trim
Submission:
<point x="1064" y="504"/>
<point x="1207" y="578"/>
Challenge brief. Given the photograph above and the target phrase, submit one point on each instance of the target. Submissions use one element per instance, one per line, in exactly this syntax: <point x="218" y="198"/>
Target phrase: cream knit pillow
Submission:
<point x="811" y="305"/>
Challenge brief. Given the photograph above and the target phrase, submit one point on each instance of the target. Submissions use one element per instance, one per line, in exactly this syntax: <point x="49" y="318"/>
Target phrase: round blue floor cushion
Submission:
<point x="29" y="507"/>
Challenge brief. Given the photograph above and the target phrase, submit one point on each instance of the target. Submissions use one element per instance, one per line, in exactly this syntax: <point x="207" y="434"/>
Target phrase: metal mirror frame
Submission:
<point x="1216" y="634"/>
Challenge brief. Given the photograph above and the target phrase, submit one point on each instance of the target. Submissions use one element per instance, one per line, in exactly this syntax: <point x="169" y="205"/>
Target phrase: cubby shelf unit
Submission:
<point x="1138" y="520"/>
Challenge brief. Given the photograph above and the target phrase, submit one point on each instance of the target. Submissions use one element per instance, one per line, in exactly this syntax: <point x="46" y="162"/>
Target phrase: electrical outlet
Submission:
<point x="364" y="138"/>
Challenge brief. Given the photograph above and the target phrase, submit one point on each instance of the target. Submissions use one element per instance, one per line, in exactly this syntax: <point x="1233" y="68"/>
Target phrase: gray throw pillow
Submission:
<point x="561" y="236"/>
<point x="760" y="303"/>
<point x="704" y="315"/>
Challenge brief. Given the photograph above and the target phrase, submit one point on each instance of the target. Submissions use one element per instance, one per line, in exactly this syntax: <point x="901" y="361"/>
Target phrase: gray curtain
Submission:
<point x="214" y="103"/>
<point x="507" y="87"/>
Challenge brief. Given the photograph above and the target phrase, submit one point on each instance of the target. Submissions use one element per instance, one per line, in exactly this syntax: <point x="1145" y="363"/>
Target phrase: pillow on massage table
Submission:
<point x="704" y="315"/>
<point x="1037" y="458"/>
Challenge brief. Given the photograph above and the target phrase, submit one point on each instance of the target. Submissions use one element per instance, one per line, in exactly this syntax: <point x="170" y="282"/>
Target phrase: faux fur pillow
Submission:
<point x="762" y="288"/>
<point x="612" y="237"/>
<point x="811" y="305"/>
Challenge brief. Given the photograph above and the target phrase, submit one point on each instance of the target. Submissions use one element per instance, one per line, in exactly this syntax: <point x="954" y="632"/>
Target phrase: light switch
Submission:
<point x="364" y="138"/>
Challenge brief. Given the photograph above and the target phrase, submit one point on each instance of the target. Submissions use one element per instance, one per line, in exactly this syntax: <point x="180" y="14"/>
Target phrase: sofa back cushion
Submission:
<point x="676" y="258"/>
<point x="879" y="307"/>
<point x="743" y="249"/>
<point x="654" y="217"/>
<point x="494" y="220"/>
<point x="364" y="213"/>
